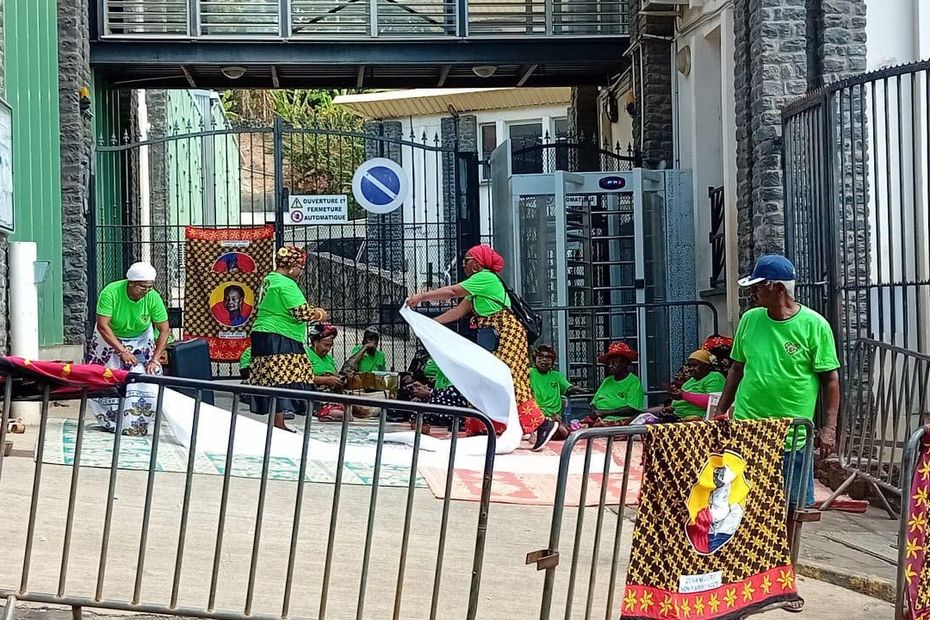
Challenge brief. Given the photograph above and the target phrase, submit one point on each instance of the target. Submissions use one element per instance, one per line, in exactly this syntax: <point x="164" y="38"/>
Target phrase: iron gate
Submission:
<point x="148" y="188"/>
<point x="856" y="163"/>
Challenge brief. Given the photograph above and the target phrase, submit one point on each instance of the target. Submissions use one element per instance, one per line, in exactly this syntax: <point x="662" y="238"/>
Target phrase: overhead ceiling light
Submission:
<point x="233" y="73"/>
<point x="484" y="71"/>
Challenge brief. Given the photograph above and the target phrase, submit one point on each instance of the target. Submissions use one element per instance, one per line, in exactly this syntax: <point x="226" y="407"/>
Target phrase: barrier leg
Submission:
<point x="891" y="512"/>
<point x="9" y="608"/>
<point x="839" y="491"/>
<point x="77" y="612"/>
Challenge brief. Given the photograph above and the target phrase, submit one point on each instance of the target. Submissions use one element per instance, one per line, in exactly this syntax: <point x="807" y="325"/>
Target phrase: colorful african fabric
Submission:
<point x="916" y="567"/>
<point x="223" y="270"/>
<point x="513" y="350"/>
<point x="29" y="377"/>
<point x="710" y="540"/>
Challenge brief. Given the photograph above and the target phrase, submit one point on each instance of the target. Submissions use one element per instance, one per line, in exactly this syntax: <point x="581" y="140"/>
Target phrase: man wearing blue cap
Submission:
<point x="783" y="353"/>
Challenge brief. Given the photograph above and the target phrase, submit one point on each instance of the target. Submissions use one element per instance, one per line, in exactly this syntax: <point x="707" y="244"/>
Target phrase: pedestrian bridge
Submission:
<point x="357" y="43"/>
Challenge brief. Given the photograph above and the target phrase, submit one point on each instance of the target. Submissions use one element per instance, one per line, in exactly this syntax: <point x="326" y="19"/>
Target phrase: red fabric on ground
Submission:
<point x="30" y="377"/>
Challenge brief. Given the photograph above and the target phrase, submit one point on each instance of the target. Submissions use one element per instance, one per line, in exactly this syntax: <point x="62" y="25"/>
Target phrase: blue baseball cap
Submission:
<point x="770" y="267"/>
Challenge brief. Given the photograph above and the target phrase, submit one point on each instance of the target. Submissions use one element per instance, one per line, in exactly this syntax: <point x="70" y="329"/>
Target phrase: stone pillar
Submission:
<point x="652" y="79"/>
<point x="385" y="232"/>
<point x="74" y="64"/>
<point x="583" y="117"/>
<point x="466" y="140"/>
<point x="783" y="48"/>
<point x="156" y="103"/>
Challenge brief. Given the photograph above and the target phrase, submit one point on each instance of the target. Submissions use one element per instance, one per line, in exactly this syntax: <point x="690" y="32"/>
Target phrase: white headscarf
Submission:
<point x="141" y="272"/>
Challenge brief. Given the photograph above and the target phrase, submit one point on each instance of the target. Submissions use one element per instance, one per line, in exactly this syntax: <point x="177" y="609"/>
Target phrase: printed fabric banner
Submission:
<point x="710" y="539"/>
<point x="223" y="269"/>
<point x="916" y="568"/>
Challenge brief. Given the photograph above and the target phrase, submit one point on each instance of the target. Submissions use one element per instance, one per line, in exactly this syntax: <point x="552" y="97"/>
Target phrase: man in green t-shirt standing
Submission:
<point x="783" y="355"/>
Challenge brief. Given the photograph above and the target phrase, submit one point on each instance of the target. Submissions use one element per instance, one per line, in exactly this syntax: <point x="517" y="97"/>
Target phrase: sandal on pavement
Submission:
<point x="796" y="606"/>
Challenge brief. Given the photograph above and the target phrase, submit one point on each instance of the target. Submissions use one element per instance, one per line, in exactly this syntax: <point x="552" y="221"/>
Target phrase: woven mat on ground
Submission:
<point x="529" y="478"/>
<point x="135" y="453"/>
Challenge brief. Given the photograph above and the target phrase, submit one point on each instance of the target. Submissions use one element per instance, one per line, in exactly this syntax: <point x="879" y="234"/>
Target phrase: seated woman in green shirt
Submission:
<point x="129" y="312"/>
<point x="325" y="376"/>
<point x="279" y="334"/>
<point x="689" y="401"/>
<point x="367" y="357"/>
<point x="620" y="397"/>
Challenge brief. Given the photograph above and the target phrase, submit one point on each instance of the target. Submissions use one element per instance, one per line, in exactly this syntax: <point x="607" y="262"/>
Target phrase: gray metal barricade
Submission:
<point x="885" y="400"/>
<point x="272" y="545"/>
<point x="908" y="465"/>
<point x="604" y="590"/>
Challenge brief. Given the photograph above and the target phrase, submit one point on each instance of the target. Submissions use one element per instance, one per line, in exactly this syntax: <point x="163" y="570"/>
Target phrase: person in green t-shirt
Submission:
<point x="620" y="397"/>
<point x="326" y="377"/>
<point x="549" y="387"/>
<point x="129" y="312"/>
<point x="367" y="357"/>
<point x="484" y="298"/>
<point x="279" y="335"/>
<point x="245" y="361"/>
<point x="690" y="401"/>
<point x="784" y="356"/>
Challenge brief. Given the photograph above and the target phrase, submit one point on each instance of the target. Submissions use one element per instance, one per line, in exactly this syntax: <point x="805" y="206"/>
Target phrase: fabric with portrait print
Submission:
<point x="711" y="539"/>
<point x="224" y="268"/>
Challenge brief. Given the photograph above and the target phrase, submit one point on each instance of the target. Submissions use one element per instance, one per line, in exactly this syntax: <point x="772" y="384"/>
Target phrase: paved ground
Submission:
<point x="509" y="588"/>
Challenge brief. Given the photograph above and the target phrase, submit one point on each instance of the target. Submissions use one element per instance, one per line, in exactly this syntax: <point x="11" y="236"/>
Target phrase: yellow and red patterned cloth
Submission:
<point x="916" y="567"/>
<point x="223" y="269"/>
<point x="711" y="539"/>
<point x="29" y="377"/>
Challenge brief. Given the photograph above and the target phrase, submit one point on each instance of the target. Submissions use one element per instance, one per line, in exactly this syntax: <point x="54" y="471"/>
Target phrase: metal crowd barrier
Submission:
<point x="306" y="570"/>
<point x="908" y="464"/>
<point x="587" y="543"/>
<point x="885" y="400"/>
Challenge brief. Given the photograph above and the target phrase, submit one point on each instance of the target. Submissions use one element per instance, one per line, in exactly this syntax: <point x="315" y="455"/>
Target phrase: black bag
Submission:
<point x="529" y="318"/>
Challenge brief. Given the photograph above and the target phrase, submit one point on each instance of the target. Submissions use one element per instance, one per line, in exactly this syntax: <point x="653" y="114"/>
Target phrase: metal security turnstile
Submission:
<point x="583" y="247"/>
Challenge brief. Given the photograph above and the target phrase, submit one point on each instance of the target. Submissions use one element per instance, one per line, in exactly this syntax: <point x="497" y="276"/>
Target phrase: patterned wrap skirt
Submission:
<point x="278" y="361"/>
<point x="136" y="411"/>
<point x="513" y="350"/>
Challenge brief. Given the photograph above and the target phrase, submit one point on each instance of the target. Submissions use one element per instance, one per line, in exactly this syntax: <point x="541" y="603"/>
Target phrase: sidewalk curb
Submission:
<point x="868" y="585"/>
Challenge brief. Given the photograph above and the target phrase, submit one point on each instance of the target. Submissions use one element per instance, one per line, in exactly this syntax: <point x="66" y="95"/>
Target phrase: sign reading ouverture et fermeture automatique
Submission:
<point x="308" y="209"/>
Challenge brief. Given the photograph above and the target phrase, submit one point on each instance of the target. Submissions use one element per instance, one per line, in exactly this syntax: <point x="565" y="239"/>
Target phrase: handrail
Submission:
<point x="364" y="19"/>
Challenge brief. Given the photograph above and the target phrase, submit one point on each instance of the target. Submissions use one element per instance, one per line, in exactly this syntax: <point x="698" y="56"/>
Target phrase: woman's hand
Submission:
<point x="414" y="300"/>
<point x="152" y="367"/>
<point x="332" y="381"/>
<point x="127" y="358"/>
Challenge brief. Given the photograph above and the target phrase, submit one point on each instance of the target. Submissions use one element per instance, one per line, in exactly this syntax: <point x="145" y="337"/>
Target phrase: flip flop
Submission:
<point x="795" y="606"/>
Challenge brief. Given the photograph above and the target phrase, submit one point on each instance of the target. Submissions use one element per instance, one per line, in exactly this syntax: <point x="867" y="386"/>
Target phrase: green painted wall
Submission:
<point x="108" y="188"/>
<point x="31" y="64"/>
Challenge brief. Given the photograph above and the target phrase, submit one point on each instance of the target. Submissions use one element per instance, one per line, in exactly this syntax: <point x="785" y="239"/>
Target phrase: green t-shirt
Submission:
<point x="486" y="293"/>
<point x="246" y="359"/>
<point x="548" y="390"/>
<point x="325" y="365"/>
<point x="370" y="363"/>
<point x="277" y="297"/>
<point x="711" y="384"/>
<point x="433" y="372"/>
<point x="782" y="361"/>
<point x="613" y="394"/>
<point x="129" y="318"/>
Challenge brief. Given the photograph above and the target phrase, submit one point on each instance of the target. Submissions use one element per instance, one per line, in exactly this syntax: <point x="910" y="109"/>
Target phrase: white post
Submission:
<point x="24" y="315"/>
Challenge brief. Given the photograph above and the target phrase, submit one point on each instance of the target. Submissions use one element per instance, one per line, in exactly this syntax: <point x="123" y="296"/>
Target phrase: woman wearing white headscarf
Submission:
<point x="129" y="312"/>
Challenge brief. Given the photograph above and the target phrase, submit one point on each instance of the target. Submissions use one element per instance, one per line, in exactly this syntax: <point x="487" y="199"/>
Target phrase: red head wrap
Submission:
<point x="485" y="256"/>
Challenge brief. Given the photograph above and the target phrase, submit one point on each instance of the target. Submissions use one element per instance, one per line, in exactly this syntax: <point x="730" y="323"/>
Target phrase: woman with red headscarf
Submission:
<point x="484" y="298"/>
<point x="279" y="336"/>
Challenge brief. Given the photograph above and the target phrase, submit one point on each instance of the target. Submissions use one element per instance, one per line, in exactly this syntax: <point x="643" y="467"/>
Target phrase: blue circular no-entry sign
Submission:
<point x="380" y="185"/>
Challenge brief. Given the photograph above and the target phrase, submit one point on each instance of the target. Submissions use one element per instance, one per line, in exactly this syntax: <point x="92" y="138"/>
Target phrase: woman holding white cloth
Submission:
<point x="129" y="312"/>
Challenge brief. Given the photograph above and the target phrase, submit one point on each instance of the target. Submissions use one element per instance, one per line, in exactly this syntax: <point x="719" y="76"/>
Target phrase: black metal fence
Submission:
<point x="571" y="154"/>
<point x="856" y="163"/>
<point x="149" y="189"/>
<point x="717" y="237"/>
<point x="138" y="526"/>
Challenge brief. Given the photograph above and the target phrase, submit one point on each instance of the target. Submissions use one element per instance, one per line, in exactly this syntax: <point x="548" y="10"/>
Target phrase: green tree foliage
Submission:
<point x="319" y="161"/>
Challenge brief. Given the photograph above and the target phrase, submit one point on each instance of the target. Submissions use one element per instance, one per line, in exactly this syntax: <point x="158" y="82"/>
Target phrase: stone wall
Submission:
<point x="783" y="48"/>
<point x="355" y="294"/>
<point x="467" y="141"/>
<point x="74" y="73"/>
<point x="652" y="125"/>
